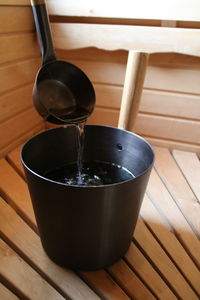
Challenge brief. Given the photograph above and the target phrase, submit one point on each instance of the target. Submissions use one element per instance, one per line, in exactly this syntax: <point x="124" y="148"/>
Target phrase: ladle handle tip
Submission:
<point x="43" y="30"/>
<point x="37" y="2"/>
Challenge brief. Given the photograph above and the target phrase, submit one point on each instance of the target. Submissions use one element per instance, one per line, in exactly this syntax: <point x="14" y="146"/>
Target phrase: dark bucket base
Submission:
<point x="88" y="267"/>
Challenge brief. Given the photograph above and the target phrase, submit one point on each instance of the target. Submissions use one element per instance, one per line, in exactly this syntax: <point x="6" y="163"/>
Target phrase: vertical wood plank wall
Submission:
<point x="169" y="113"/>
<point x="19" y="62"/>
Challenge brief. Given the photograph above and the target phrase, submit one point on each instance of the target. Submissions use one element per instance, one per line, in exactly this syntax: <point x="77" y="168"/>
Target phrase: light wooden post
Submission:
<point x="133" y="85"/>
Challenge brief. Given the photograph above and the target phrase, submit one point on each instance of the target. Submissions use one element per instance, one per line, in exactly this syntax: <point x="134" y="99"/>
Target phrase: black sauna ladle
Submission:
<point x="62" y="93"/>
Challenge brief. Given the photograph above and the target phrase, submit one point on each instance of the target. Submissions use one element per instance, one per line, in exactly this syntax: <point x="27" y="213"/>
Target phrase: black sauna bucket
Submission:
<point x="86" y="228"/>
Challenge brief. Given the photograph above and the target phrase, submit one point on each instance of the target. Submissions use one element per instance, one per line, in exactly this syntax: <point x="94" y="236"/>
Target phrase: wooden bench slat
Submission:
<point x="6" y="294"/>
<point x="190" y="166"/>
<point x="13" y="158"/>
<point x="130" y="282"/>
<point x="16" y="192"/>
<point x="166" y="267"/>
<point x="169" y="242"/>
<point x="178" y="187"/>
<point x="19" y="274"/>
<point x="168" y="209"/>
<point x="28" y="243"/>
<point x="104" y="285"/>
<point x="142" y="266"/>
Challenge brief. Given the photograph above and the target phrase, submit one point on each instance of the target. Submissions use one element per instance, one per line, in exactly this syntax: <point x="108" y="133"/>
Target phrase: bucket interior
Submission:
<point x="56" y="148"/>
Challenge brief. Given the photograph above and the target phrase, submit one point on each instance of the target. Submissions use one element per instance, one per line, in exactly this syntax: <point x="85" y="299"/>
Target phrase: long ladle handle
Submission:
<point x="43" y="30"/>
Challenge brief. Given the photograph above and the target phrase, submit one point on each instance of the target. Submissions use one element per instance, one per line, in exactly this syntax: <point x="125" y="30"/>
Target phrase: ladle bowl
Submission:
<point x="62" y="92"/>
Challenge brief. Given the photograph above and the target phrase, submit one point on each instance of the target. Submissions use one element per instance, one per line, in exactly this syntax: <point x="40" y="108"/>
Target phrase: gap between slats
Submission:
<point x="190" y="167"/>
<point x="6" y="293"/>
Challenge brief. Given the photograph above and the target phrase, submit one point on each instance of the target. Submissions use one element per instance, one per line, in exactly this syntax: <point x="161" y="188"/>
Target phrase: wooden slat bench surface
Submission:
<point x="162" y="262"/>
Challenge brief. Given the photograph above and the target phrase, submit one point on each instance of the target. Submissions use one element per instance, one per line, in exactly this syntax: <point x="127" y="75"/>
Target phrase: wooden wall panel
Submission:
<point x="151" y="125"/>
<point x="19" y="63"/>
<point x="14" y="102"/>
<point x="18" y="46"/>
<point x="18" y="125"/>
<point x="16" y="18"/>
<point x="18" y="74"/>
<point x="153" y="101"/>
<point x="15" y="2"/>
<point x="162" y="78"/>
<point x="170" y="103"/>
<point x="168" y="128"/>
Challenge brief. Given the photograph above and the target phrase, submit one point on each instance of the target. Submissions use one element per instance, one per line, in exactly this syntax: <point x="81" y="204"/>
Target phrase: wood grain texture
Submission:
<point x="190" y="166"/>
<point x="153" y="10"/>
<point x="177" y="185"/>
<point x="162" y="230"/>
<point x="21" y="139"/>
<point x="21" y="123"/>
<point x="12" y="103"/>
<point x="184" y="80"/>
<point x="29" y="243"/>
<point x="152" y="125"/>
<point x="138" y="262"/>
<point x="18" y="46"/>
<point x="159" y="258"/>
<point x="120" y="56"/>
<point x="102" y="116"/>
<point x="152" y="101"/>
<point x="23" y="20"/>
<point x="171" y="104"/>
<point x="115" y="37"/>
<point x="104" y="285"/>
<point x="13" y="158"/>
<point x="132" y="90"/>
<point x="17" y="196"/>
<point x="134" y="287"/>
<point x="19" y="274"/>
<point x="173" y="144"/>
<point x="169" y="210"/>
<point x="15" y="2"/>
<point x="6" y="294"/>
<point x="168" y="128"/>
<point x="18" y="74"/>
